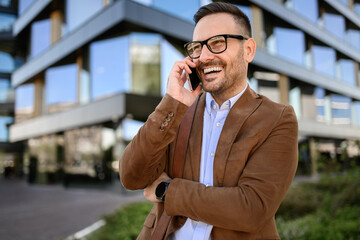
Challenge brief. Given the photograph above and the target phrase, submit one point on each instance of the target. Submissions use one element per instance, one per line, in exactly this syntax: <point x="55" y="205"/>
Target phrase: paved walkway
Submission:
<point x="52" y="212"/>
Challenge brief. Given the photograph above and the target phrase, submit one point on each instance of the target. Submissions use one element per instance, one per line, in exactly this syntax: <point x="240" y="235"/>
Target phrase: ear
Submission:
<point x="250" y="49"/>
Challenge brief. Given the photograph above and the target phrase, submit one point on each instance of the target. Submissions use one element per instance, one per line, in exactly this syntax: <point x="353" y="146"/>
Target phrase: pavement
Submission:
<point x="53" y="212"/>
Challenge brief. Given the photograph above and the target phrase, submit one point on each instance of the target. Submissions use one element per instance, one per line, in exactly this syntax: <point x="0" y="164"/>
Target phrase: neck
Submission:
<point x="221" y="97"/>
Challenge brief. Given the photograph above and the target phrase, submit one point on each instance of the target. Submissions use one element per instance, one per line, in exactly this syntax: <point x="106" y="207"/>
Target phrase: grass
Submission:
<point x="326" y="210"/>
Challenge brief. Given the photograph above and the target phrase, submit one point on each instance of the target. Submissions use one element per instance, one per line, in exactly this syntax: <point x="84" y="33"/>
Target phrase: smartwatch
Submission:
<point x="161" y="190"/>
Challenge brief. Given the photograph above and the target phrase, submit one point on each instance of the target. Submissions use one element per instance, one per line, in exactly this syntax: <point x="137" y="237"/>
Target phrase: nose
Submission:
<point x="205" y="54"/>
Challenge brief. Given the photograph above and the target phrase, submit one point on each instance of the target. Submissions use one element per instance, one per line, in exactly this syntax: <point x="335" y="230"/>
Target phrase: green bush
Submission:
<point x="124" y="224"/>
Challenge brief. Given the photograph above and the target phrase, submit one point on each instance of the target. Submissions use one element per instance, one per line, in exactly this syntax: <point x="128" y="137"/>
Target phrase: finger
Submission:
<point x="189" y="62"/>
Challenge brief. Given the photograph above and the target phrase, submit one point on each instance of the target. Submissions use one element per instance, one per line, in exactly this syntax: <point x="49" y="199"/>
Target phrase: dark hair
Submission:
<point x="222" y="7"/>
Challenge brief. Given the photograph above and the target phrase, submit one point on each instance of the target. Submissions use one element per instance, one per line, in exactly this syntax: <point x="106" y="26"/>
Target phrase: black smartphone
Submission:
<point x="194" y="79"/>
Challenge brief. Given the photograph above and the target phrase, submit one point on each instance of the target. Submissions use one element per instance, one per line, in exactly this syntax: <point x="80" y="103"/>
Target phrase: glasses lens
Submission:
<point x="217" y="44"/>
<point x="193" y="49"/>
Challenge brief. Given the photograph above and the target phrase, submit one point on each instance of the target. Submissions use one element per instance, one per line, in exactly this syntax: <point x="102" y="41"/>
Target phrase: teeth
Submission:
<point x="213" y="69"/>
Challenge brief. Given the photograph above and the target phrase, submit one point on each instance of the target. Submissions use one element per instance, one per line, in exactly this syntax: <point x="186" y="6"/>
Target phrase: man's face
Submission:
<point x="223" y="74"/>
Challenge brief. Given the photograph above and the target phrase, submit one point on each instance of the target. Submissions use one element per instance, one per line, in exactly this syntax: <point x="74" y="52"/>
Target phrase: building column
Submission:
<point x="106" y="3"/>
<point x="56" y="26"/>
<point x="314" y="156"/>
<point x="258" y="26"/>
<point x="38" y="96"/>
<point x="351" y="4"/>
<point x="283" y="85"/>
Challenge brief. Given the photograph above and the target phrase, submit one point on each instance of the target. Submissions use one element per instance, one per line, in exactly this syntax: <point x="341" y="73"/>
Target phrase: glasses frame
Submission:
<point x="205" y="42"/>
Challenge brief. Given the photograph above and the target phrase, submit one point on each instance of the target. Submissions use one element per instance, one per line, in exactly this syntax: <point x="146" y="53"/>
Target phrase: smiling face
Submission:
<point x="224" y="74"/>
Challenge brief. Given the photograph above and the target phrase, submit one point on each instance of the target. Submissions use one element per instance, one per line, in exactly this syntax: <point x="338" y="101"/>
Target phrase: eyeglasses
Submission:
<point x="216" y="44"/>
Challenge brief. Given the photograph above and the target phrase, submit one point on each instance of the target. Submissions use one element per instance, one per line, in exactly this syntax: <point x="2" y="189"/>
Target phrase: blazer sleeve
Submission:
<point x="145" y="157"/>
<point x="261" y="187"/>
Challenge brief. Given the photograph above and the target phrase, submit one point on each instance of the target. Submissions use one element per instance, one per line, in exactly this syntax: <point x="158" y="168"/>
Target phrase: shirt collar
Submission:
<point x="210" y="103"/>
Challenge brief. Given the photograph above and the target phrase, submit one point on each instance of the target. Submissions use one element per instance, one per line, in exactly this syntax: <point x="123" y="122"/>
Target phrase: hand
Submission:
<point x="149" y="191"/>
<point x="177" y="79"/>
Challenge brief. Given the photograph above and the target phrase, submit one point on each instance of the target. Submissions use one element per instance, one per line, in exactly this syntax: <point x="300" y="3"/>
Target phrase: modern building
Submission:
<point x="10" y="153"/>
<point x="95" y="69"/>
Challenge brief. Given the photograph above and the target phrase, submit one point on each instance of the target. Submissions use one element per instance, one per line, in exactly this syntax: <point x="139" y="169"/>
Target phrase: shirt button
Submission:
<point x="214" y="107"/>
<point x="218" y="124"/>
<point x="212" y="154"/>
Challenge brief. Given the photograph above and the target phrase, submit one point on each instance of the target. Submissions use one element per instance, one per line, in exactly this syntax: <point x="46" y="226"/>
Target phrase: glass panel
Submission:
<point x="61" y="87"/>
<point x="145" y="63"/>
<point x="335" y="24"/>
<point x="347" y="71"/>
<point x="169" y="54"/>
<point x="4" y="90"/>
<point x="345" y="2"/>
<point x="340" y="106"/>
<point x="4" y="130"/>
<point x="306" y="8"/>
<point x="290" y="44"/>
<point x="320" y="104"/>
<point x="24" y="96"/>
<point x="40" y="36"/>
<point x="355" y="113"/>
<point x="109" y="66"/>
<point x="353" y="37"/>
<point x="324" y="60"/>
<point x="24" y="4"/>
<point x="145" y="2"/>
<point x="6" y="22"/>
<point x="5" y="3"/>
<point x="7" y="64"/>
<point x="357" y="8"/>
<point x="184" y="9"/>
<point x="246" y="10"/>
<point x="77" y="13"/>
<point x="295" y="100"/>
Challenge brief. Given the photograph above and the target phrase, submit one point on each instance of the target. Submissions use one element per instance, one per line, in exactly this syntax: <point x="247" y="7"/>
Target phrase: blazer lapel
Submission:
<point x="195" y="140"/>
<point x="242" y="109"/>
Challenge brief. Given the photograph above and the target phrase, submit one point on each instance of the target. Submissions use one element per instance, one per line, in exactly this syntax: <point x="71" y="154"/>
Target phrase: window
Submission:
<point x="246" y="10"/>
<point x="347" y="71"/>
<point x="5" y="3"/>
<point x="324" y="60"/>
<point x="6" y="22"/>
<point x="7" y="63"/>
<point x="353" y="38"/>
<point x="345" y="2"/>
<point x="306" y="8"/>
<point x="145" y="63"/>
<point x="357" y="8"/>
<point x="78" y="11"/>
<point x="61" y="85"/>
<point x="24" y="97"/>
<point x="24" y="4"/>
<point x="4" y="130"/>
<point x="320" y="104"/>
<point x="169" y="54"/>
<point x="40" y="36"/>
<point x="290" y="44"/>
<point x="4" y="90"/>
<point x="109" y="66"/>
<point x="335" y="24"/>
<point x="355" y="113"/>
<point x="184" y="9"/>
<point x="340" y="109"/>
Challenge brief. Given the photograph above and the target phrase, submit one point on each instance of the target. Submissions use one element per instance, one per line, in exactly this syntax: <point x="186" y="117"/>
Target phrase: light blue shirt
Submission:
<point x="214" y="119"/>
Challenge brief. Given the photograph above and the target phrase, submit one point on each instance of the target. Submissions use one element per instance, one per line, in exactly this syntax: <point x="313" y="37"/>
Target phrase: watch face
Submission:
<point x="160" y="190"/>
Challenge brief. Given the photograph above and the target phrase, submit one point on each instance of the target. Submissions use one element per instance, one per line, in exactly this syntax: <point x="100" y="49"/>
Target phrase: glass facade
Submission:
<point x="77" y="14"/>
<point x="24" y="4"/>
<point x="24" y="97"/>
<point x="340" y="109"/>
<point x="40" y="37"/>
<point x="109" y="66"/>
<point x="347" y="71"/>
<point x="320" y="104"/>
<point x="7" y="63"/>
<point x="290" y="44"/>
<point x="61" y="86"/>
<point x="5" y="3"/>
<point x="145" y="63"/>
<point x="184" y="9"/>
<point x="324" y="60"/>
<point x="353" y="38"/>
<point x="6" y="22"/>
<point x="4" y="90"/>
<point x="307" y="8"/>
<point x="335" y="24"/>
<point x="357" y="8"/>
<point x="4" y="130"/>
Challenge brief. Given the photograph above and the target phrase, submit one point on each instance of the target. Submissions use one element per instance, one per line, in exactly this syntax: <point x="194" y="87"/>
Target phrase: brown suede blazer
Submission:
<point x="255" y="162"/>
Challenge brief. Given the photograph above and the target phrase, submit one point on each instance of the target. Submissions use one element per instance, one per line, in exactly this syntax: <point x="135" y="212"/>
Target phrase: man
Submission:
<point x="242" y="153"/>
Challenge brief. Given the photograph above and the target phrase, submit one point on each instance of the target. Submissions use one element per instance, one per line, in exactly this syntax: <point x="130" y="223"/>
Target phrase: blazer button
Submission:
<point x="164" y="124"/>
<point x="171" y="114"/>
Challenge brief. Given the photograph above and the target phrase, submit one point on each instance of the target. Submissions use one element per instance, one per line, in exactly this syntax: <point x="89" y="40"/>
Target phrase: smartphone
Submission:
<point x="194" y="79"/>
